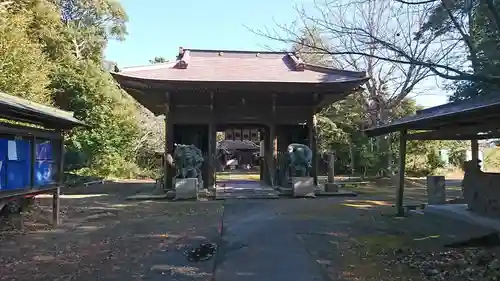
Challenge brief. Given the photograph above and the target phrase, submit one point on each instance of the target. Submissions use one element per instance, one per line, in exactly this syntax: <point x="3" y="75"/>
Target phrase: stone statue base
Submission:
<point x="186" y="188"/>
<point x="331" y="187"/>
<point x="303" y="186"/>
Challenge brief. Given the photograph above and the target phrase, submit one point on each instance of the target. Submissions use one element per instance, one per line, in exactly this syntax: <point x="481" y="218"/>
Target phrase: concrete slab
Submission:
<point x="259" y="245"/>
<point x="460" y="212"/>
<point x="245" y="191"/>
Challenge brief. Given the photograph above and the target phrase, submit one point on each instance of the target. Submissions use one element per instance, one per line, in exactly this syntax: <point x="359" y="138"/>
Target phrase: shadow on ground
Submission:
<point x="103" y="237"/>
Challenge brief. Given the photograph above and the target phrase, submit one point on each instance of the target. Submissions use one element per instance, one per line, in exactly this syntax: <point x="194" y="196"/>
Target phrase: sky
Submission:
<point x="160" y="27"/>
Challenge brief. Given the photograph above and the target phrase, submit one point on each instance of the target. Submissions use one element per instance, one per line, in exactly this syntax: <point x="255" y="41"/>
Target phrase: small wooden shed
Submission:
<point x="32" y="149"/>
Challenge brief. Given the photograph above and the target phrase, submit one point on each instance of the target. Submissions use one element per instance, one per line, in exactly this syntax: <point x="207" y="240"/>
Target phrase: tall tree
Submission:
<point x="444" y="57"/>
<point x="390" y="82"/>
<point x="24" y="68"/>
<point x="91" y="23"/>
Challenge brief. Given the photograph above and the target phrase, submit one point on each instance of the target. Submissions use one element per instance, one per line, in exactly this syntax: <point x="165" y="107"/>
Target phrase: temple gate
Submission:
<point x="203" y="91"/>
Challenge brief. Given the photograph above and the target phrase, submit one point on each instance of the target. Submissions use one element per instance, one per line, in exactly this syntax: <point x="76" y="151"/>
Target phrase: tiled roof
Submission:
<point x="240" y="66"/>
<point x="453" y="112"/>
<point x="19" y="109"/>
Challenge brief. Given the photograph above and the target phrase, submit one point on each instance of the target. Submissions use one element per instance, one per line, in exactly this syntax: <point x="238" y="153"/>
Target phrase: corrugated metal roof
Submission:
<point x="433" y="117"/>
<point x="19" y="109"/>
<point x="240" y="66"/>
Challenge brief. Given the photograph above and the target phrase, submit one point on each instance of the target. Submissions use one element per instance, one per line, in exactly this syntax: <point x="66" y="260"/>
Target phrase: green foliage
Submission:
<point x="24" y="69"/>
<point x="51" y="52"/>
<point x="491" y="159"/>
<point x="95" y="99"/>
<point x="475" y="19"/>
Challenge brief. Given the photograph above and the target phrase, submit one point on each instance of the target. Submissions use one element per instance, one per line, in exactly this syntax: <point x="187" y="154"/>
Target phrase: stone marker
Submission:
<point x="330" y="186"/>
<point x="303" y="186"/>
<point x="436" y="190"/>
<point x="186" y="188"/>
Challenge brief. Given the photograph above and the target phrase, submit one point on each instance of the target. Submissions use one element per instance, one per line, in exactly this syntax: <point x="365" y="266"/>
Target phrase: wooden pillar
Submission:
<point x="55" y="206"/>
<point x="311" y="127"/>
<point x="33" y="161"/>
<point x="262" y="164"/>
<point x="267" y="156"/>
<point x="401" y="180"/>
<point x="282" y="144"/>
<point x="169" y="148"/>
<point x="61" y="159"/>
<point x="60" y="179"/>
<point x="272" y="154"/>
<point x="474" y="148"/>
<point x="212" y="145"/>
<point x="212" y="142"/>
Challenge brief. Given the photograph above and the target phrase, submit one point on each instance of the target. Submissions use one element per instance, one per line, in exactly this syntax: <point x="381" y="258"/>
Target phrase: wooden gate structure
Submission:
<point x="205" y="91"/>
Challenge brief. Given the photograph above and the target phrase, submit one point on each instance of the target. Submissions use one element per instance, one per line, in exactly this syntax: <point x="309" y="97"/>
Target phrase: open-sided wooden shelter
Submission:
<point x="473" y="119"/>
<point x="205" y="91"/>
<point x="31" y="154"/>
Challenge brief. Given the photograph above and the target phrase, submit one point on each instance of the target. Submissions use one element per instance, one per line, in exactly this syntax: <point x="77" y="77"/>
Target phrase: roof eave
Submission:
<point x="361" y="80"/>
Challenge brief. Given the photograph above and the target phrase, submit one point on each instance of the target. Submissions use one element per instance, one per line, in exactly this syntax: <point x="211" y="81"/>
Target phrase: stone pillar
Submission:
<point x="311" y="127"/>
<point x="330" y="186"/>
<point x="436" y="190"/>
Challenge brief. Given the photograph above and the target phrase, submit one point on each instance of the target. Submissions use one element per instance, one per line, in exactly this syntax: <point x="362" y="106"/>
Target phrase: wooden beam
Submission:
<point x="474" y="147"/>
<point x="169" y="145"/>
<point x="401" y="175"/>
<point x="311" y="127"/>
<point x="438" y="135"/>
<point x="11" y="129"/>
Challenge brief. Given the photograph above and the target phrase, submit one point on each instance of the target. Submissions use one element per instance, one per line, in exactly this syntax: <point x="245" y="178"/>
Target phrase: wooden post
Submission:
<point x="474" y="148"/>
<point x="55" y="206"/>
<point x="60" y="182"/>
<point x="212" y="142"/>
<point x="272" y="154"/>
<point x="262" y="167"/>
<point x="33" y="161"/>
<point x="169" y="147"/>
<point x="401" y="181"/>
<point x="312" y="144"/>
<point x="61" y="160"/>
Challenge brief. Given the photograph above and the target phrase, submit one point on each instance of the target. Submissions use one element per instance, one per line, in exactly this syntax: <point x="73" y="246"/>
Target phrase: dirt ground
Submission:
<point x="104" y="237"/>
